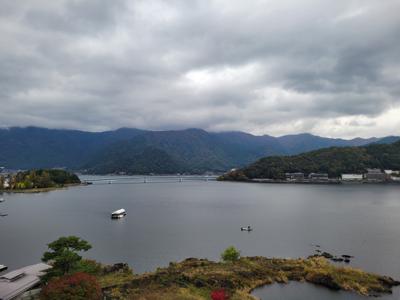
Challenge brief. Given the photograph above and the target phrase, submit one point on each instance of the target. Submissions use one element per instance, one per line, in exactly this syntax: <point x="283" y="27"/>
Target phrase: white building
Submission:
<point x="352" y="177"/>
<point x="391" y="172"/>
<point x="6" y="183"/>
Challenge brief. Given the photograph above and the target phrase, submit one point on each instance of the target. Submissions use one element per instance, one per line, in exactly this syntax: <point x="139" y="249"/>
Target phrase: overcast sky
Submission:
<point x="331" y="68"/>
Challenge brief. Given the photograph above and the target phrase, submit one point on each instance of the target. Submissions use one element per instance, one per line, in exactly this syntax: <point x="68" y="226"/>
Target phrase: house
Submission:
<point x="318" y="177"/>
<point x="6" y="183"/>
<point x="375" y="175"/>
<point x="15" y="283"/>
<point x="393" y="175"/>
<point x="298" y="176"/>
<point x="352" y="177"/>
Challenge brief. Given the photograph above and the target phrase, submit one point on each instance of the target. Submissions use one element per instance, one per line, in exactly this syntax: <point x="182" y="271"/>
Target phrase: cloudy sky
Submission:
<point x="267" y="67"/>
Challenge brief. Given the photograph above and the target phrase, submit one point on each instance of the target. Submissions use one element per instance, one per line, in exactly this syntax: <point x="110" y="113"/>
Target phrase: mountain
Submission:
<point x="32" y="147"/>
<point x="193" y="150"/>
<point x="299" y="143"/>
<point x="198" y="151"/>
<point x="135" y="150"/>
<point x="387" y="140"/>
<point x="144" y="160"/>
<point x="334" y="161"/>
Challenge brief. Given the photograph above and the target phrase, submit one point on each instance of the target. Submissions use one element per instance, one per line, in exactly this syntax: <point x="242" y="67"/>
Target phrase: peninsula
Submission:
<point x="37" y="180"/>
<point x="372" y="163"/>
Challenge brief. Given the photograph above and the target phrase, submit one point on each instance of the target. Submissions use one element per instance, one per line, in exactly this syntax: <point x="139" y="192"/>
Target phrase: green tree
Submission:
<point x="230" y="254"/>
<point x="64" y="256"/>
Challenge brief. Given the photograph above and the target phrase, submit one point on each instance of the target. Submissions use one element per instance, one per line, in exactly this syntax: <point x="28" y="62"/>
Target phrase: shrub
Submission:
<point x="230" y="254"/>
<point x="219" y="295"/>
<point x="78" y="286"/>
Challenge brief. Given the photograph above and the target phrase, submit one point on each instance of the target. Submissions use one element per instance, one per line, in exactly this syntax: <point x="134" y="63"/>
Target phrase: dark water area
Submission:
<point x="171" y="221"/>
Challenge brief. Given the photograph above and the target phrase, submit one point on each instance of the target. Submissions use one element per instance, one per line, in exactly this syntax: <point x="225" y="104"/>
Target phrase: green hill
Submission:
<point x="334" y="161"/>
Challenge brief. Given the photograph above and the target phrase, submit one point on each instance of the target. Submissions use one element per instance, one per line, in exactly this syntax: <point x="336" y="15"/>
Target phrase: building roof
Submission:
<point x="13" y="284"/>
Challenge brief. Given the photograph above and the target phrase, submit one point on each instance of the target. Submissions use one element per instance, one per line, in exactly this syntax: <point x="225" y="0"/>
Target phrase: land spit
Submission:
<point x="197" y="278"/>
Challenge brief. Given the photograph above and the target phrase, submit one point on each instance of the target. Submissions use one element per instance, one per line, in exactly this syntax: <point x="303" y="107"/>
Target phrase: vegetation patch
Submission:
<point x="193" y="279"/>
<point x="39" y="180"/>
<point x="199" y="278"/>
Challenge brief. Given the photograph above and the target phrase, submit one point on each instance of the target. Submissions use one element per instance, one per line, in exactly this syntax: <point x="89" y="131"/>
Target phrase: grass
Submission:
<point x="194" y="279"/>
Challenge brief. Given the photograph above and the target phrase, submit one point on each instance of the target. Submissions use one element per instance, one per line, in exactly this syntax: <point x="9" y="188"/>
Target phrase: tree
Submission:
<point x="79" y="286"/>
<point x="230" y="254"/>
<point x="63" y="255"/>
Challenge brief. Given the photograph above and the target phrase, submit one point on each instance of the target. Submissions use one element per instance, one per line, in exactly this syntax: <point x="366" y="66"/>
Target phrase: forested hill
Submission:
<point x="196" y="151"/>
<point x="334" y="161"/>
<point x="143" y="151"/>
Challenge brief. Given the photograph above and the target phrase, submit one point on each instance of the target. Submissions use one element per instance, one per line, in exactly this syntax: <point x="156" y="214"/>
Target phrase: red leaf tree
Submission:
<point x="78" y="286"/>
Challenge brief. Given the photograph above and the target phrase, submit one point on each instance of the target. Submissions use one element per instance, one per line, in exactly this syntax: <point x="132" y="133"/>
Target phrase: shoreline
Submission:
<point x="331" y="182"/>
<point x="41" y="190"/>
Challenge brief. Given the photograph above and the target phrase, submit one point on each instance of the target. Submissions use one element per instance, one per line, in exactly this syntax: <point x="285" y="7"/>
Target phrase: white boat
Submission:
<point x="120" y="213"/>
<point x="2" y="200"/>
<point x="3" y="268"/>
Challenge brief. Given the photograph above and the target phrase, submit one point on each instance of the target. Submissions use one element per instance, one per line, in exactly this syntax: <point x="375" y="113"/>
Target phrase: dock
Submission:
<point x="15" y="283"/>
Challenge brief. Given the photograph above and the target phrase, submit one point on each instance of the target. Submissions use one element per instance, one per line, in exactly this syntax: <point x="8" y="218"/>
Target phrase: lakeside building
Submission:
<point x="375" y="175"/>
<point x="393" y="175"/>
<point x="16" y="283"/>
<point x="392" y="172"/>
<point x="6" y="183"/>
<point x="352" y="177"/>
<point x="297" y="176"/>
<point x="318" y="177"/>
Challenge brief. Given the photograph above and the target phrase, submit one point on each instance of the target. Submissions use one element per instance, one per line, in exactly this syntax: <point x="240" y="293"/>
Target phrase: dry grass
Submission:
<point x="194" y="279"/>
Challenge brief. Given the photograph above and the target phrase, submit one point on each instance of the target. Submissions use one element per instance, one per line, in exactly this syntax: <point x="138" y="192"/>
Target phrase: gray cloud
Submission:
<point x="267" y="67"/>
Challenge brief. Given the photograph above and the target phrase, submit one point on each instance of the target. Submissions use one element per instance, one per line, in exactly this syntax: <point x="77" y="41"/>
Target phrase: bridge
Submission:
<point x="147" y="179"/>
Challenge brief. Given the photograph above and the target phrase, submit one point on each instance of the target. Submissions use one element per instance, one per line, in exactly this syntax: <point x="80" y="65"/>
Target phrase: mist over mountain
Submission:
<point x="141" y="151"/>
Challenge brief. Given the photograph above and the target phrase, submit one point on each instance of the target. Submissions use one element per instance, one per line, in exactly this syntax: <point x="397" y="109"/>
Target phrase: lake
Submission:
<point x="169" y="221"/>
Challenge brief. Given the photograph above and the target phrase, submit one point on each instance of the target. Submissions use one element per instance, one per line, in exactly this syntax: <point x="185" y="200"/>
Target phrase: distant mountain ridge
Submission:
<point x="143" y="151"/>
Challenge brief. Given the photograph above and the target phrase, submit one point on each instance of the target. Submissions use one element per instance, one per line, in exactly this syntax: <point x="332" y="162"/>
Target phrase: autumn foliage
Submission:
<point x="78" y="286"/>
<point x="219" y="295"/>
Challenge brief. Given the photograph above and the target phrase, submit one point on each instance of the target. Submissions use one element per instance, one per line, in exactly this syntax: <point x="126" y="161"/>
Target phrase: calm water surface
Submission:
<point x="171" y="221"/>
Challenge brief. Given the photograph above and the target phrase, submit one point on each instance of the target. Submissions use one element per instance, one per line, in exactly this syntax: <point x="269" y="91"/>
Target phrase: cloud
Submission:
<point x="266" y="67"/>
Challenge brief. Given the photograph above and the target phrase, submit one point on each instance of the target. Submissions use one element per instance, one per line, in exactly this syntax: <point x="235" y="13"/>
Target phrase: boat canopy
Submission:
<point x="119" y="212"/>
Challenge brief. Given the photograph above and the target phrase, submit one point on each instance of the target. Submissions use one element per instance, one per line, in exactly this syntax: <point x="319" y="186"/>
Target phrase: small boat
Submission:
<point x="2" y="200"/>
<point x="3" y="215"/>
<point x="120" y="213"/>
<point x="3" y="268"/>
<point x="248" y="228"/>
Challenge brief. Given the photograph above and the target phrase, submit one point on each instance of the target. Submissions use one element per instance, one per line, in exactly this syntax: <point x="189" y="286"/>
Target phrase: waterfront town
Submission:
<point x="370" y="176"/>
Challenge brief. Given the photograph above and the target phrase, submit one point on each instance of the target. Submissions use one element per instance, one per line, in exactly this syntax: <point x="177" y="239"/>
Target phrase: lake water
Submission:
<point x="171" y="221"/>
